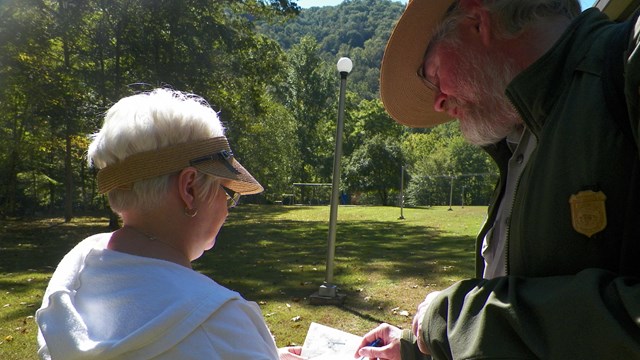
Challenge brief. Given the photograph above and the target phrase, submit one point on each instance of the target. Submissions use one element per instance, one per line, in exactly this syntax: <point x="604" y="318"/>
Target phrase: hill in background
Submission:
<point x="358" y="29"/>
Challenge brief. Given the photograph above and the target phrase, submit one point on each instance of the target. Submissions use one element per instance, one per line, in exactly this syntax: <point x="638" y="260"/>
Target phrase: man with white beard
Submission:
<point x="551" y="93"/>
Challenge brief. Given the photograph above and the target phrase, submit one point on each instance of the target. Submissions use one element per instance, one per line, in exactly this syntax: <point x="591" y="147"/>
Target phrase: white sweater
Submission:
<point x="103" y="304"/>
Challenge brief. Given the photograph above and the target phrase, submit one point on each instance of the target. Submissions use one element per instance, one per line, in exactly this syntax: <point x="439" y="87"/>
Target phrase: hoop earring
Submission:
<point x="190" y="212"/>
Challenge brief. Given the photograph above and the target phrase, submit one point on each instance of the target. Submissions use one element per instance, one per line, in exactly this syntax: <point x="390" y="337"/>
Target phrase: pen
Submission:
<point x="375" y="343"/>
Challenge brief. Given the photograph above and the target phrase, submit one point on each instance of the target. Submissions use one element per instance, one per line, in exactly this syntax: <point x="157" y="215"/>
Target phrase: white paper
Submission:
<point x="324" y="342"/>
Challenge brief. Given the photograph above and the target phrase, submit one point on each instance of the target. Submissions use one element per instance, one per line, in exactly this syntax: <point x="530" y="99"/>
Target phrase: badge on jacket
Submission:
<point x="588" y="213"/>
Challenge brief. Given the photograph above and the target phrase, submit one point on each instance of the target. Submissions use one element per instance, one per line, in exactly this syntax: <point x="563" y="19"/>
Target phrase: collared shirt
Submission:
<point x="522" y="144"/>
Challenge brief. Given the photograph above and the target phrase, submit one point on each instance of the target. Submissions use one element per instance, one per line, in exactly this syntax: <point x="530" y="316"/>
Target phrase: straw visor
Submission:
<point x="211" y="156"/>
<point x="404" y="95"/>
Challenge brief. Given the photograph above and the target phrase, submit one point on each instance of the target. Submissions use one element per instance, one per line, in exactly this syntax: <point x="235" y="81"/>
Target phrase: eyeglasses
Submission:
<point x="445" y="30"/>
<point x="232" y="197"/>
<point x="432" y="84"/>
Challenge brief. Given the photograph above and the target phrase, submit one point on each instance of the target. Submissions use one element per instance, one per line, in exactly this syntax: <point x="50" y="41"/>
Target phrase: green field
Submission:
<point x="276" y="256"/>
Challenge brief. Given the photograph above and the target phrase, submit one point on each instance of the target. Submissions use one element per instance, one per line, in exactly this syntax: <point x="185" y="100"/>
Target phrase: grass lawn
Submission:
<point x="276" y="256"/>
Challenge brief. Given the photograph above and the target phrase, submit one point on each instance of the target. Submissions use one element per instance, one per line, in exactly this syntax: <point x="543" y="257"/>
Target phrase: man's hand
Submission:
<point x="418" y="320"/>
<point x="390" y="348"/>
<point x="290" y="353"/>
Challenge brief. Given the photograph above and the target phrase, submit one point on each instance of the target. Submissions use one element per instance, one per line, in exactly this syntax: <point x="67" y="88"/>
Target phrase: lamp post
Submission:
<point x="401" y="193"/>
<point x="327" y="293"/>
<point x="451" y="194"/>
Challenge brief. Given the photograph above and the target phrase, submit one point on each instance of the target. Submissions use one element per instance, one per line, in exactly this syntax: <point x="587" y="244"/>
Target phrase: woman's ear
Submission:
<point x="186" y="186"/>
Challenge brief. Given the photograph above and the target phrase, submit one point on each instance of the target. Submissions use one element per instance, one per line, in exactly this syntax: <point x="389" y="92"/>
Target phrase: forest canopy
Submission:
<point x="268" y="67"/>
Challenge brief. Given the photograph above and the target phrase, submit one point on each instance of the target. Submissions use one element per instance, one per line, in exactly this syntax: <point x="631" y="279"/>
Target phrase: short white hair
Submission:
<point x="149" y="121"/>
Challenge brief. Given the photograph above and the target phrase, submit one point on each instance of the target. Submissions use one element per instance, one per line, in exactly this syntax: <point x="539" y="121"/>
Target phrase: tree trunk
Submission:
<point x="68" y="171"/>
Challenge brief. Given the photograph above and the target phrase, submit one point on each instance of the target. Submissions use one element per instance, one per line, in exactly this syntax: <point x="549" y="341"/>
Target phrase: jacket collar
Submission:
<point x="536" y="90"/>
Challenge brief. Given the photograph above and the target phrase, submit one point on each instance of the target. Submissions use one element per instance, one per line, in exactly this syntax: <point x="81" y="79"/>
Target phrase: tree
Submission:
<point x="42" y="74"/>
<point x="276" y="154"/>
<point x="63" y="62"/>
<point x="374" y="166"/>
<point x="269" y="73"/>
<point x="435" y="157"/>
<point x="308" y="94"/>
<point x="368" y="120"/>
<point x="356" y="28"/>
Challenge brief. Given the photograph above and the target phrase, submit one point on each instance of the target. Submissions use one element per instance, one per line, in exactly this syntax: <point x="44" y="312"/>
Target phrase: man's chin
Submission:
<point x="483" y="133"/>
<point x="475" y="137"/>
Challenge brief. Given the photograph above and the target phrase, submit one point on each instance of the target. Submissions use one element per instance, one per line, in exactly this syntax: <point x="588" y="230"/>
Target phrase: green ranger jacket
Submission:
<point x="573" y="243"/>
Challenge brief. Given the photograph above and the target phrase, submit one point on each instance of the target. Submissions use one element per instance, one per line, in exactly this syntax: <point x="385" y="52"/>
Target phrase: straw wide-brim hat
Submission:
<point x="211" y="156"/>
<point x="404" y="95"/>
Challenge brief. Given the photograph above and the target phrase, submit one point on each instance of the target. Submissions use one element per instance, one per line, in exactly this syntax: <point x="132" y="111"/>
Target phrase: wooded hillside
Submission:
<point x="268" y="67"/>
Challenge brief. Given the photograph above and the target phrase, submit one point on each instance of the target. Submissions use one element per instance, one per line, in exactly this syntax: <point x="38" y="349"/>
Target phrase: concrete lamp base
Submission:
<point x="327" y="295"/>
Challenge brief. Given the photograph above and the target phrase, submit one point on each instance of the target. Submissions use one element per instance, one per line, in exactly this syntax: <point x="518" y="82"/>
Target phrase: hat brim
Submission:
<point x="404" y="95"/>
<point x="211" y="156"/>
<point x="233" y="175"/>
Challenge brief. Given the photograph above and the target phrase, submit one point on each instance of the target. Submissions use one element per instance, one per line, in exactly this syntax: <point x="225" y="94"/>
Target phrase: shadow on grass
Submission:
<point x="266" y="258"/>
<point x="40" y="244"/>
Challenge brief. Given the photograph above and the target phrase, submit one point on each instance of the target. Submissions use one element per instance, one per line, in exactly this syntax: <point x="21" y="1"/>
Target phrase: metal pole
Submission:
<point x="328" y="289"/>
<point x="401" y="193"/>
<point x="451" y="194"/>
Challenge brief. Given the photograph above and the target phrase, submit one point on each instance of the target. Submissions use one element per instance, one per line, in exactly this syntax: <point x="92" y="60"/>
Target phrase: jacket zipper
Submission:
<point x="507" y="239"/>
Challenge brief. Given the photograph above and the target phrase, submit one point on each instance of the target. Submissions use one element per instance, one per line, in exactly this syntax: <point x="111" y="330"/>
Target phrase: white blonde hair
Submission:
<point x="149" y="121"/>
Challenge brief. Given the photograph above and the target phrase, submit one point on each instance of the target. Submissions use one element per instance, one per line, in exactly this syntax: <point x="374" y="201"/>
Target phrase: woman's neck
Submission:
<point x="136" y="240"/>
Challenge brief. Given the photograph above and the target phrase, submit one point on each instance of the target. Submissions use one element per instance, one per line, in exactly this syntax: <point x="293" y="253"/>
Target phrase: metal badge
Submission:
<point x="588" y="212"/>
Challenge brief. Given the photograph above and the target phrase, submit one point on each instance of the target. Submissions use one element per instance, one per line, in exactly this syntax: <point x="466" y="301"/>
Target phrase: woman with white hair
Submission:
<point x="168" y="171"/>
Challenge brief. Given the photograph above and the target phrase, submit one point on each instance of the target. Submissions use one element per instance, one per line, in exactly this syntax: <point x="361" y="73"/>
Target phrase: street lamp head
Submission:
<point x="344" y="65"/>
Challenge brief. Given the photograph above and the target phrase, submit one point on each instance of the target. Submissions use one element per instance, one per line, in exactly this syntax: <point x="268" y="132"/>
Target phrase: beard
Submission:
<point x="487" y="114"/>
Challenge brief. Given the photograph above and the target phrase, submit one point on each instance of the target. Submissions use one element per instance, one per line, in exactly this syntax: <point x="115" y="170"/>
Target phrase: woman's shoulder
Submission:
<point x="93" y="242"/>
<point x="157" y="277"/>
<point x="75" y="257"/>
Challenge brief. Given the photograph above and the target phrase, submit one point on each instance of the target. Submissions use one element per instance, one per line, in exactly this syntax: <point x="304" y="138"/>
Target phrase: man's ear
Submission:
<point x="186" y="186"/>
<point x="477" y="19"/>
